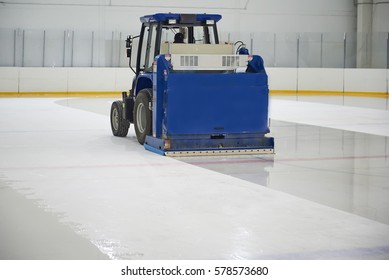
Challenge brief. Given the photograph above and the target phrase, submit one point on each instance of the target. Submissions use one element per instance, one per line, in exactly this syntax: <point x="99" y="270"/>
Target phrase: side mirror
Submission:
<point x="129" y="45"/>
<point x="129" y="40"/>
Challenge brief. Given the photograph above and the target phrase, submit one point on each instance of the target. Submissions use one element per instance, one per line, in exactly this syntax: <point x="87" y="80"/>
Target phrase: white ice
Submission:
<point x="133" y="204"/>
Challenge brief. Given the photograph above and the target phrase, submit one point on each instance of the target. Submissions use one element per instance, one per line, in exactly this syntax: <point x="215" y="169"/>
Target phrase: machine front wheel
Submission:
<point x="142" y="115"/>
<point x="119" y="125"/>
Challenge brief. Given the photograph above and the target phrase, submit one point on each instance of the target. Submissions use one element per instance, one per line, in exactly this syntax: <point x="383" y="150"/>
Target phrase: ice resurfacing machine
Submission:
<point x="191" y="94"/>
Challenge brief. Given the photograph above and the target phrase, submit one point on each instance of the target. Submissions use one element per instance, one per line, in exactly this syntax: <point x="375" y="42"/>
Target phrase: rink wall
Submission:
<point x="19" y="81"/>
<point x="59" y="81"/>
<point x="329" y="81"/>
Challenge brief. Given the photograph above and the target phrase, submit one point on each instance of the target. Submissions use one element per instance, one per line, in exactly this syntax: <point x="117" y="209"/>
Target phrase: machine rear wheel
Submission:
<point x="142" y="115"/>
<point x="119" y="125"/>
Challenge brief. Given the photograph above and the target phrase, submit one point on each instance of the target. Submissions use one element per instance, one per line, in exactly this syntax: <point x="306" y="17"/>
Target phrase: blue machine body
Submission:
<point x="200" y="111"/>
<point x="213" y="112"/>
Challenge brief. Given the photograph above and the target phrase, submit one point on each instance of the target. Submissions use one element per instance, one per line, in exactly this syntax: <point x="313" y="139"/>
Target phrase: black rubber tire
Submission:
<point x="143" y="114"/>
<point x="119" y="125"/>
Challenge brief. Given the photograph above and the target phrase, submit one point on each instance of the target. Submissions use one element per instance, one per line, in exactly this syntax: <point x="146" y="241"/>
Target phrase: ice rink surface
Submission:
<point x="71" y="190"/>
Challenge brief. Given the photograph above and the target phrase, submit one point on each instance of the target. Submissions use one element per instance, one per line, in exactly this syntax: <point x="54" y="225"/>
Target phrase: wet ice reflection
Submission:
<point x="341" y="169"/>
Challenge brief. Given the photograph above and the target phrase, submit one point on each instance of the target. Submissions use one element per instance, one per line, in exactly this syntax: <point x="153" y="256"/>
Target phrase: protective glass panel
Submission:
<point x="33" y="42"/>
<point x="264" y="45"/>
<point x="83" y="49"/>
<point x="7" y="43"/>
<point x="286" y="50"/>
<point x="54" y="48"/>
<point x="333" y="50"/>
<point x="310" y="50"/>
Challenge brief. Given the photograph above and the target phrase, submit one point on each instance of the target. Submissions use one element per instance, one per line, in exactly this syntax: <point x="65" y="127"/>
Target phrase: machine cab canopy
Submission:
<point x="159" y="31"/>
<point x="171" y="18"/>
<point x="195" y="28"/>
